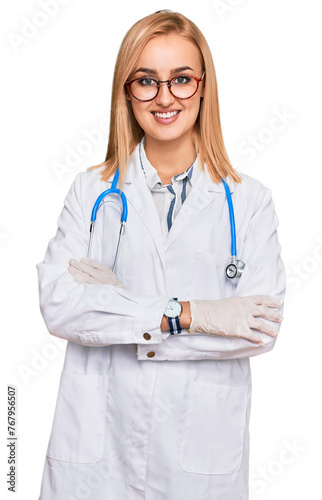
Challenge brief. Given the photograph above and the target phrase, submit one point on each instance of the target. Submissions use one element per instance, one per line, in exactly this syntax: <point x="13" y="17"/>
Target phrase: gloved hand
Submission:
<point x="90" y="271"/>
<point x="235" y="317"/>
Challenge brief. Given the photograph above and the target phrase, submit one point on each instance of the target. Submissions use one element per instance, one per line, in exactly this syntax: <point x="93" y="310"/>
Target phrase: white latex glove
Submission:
<point x="235" y="316"/>
<point x="90" y="271"/>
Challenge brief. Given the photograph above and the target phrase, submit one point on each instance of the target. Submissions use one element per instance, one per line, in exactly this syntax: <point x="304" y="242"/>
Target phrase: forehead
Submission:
<point x="164" y="52"/>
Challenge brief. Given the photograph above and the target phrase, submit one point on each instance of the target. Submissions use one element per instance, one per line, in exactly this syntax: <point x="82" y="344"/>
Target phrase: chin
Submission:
<point x="169" y="136"/>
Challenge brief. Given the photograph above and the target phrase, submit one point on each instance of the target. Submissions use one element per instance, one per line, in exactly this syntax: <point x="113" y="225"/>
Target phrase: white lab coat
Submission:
<point x="173" y="426"/>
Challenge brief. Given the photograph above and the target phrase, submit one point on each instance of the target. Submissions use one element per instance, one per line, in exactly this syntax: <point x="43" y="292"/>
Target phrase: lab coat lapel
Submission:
<point x="202" y="194"/>
<point x="140" y="199"/>
<point x="197" y="200"/>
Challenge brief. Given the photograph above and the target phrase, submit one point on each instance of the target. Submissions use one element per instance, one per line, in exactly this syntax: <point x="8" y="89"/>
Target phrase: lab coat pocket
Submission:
<point x="209" y="281"/>
<point x="213" y="434"/>
<point x="78" y="429"/>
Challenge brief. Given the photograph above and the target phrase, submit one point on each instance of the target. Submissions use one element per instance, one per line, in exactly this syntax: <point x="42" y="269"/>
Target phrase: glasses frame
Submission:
<point x="198" y="80"/>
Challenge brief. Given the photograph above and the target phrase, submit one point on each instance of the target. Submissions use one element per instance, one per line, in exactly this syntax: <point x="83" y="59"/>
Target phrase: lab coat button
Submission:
<point x="147" y="336"/>
<point x="150" y="354"/>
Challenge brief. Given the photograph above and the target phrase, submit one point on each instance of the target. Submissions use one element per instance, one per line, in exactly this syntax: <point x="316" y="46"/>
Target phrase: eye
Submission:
<point x="146" y="81"/>
<point x="181" y="80"/>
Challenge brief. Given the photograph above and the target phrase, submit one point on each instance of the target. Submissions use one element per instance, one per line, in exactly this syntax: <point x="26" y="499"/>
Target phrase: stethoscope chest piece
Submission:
<point x="234" y="270"/>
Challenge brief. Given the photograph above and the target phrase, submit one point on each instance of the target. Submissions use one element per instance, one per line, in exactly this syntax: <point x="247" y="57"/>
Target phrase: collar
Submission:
<point x="151" y="173"/>
<point x="136" y="170"/>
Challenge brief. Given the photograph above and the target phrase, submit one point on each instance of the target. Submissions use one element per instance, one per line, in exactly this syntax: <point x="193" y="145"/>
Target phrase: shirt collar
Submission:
<point x="151" y="173"/>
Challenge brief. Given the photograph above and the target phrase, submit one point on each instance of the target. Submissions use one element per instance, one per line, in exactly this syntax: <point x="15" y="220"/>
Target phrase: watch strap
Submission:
<point x="174" y="324"/>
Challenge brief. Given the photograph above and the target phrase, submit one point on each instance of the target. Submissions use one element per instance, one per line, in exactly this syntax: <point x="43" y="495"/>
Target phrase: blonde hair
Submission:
<point x="125" y="132"/>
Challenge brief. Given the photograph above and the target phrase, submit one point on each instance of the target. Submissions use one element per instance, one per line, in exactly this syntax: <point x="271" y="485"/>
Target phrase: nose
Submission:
<point x="164" y="96"/>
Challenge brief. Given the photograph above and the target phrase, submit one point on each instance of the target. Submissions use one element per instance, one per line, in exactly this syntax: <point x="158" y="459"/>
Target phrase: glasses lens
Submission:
<point x="183" y="86"/>
<point x="144" y="88"/>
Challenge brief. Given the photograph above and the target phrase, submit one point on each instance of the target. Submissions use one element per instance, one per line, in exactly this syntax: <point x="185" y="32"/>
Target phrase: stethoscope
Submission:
<point x="233" y="271"/>
<point x="112" y="190"/>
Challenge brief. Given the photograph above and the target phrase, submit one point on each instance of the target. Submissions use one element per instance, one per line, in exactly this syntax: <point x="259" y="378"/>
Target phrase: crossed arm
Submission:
<point x="230" y="317"/>
<point x="104" y="314"/>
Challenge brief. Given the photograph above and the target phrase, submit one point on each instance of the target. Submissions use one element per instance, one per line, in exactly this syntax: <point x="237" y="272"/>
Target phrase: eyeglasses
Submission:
<point x="181" y="87"/>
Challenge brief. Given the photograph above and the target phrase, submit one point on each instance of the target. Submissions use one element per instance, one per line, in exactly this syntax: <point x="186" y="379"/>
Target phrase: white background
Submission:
<point x="55" y="89"/>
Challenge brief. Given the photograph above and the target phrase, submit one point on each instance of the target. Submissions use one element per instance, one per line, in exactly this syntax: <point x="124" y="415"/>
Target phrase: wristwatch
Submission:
<point x="172" y="313"/>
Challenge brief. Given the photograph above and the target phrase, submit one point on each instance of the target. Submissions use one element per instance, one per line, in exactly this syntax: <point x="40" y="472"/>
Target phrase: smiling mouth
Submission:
<point x="165" y="115"/>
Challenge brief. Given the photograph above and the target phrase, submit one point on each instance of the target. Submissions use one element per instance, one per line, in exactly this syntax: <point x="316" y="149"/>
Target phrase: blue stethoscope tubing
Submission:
<point x="233" y="270"/>
<point x="232" y="220"/>
<point x="112" y="190"/>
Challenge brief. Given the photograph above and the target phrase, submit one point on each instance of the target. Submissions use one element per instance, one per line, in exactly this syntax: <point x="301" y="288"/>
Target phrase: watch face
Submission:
<point x="173" y="309"/>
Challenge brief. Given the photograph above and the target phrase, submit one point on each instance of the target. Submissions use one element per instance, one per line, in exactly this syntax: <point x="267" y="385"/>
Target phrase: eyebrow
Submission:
<point x="154" y="72"/>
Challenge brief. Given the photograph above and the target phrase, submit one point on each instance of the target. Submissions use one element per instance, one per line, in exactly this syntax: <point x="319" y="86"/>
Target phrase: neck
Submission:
<point x="170" y="158"/>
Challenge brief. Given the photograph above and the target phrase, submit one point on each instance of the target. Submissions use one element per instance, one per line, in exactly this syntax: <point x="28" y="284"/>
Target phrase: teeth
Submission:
<point x="165" y="115"/>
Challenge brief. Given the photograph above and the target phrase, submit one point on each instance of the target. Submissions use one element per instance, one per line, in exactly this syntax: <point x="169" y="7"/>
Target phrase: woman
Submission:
<point x="154" y="397"/>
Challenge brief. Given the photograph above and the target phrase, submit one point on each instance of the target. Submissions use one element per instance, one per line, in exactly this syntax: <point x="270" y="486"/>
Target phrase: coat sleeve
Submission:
<point x="90" y="314"/>
<point x="263" y="274"/>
